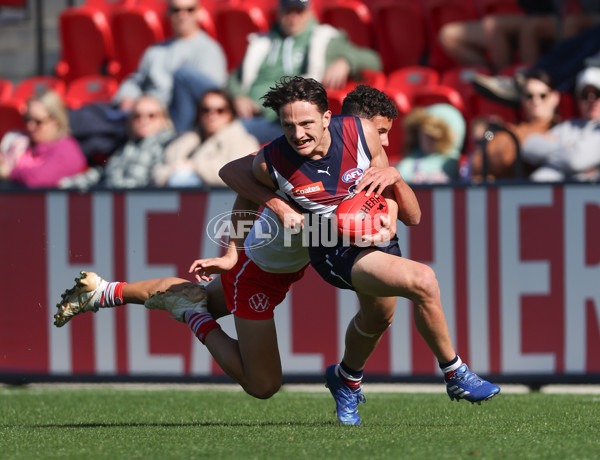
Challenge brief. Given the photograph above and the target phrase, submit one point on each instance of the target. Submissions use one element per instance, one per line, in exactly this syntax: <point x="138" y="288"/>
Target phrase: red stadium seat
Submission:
<point x="11" y="118"/>
<point x="234" y="23"/>
<point x="460" y="78"/>
<point x="6" y="90"/>
<point x="369" y="77"/>
<point x="408" y="77"/>
<point x="499" y="7"/>
<point x="400" y="33"/>
<point x="439" y="13"/>
<point x="135" y="29"/>
<point x="93" y="88"/>
<point x="396" y="134"/>
<point x="108" y="5"/>
<point x="428" y="95"/>
<point x="207" y="23"/>
<point x="87" y="46"/>
<point x="352" y="16"/>
<point x="29" y="87"/>
<point x="268" y="7"/>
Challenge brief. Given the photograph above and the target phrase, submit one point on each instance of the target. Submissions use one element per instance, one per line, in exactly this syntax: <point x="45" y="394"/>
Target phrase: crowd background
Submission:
<point x="421" y="53"/>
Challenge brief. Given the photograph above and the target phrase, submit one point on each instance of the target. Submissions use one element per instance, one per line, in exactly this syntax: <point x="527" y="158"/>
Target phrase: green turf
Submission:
<point x="158" y="423"/>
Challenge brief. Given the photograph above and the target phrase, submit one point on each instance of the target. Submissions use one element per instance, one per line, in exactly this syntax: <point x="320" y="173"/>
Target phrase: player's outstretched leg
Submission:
<point x="346" y="400"/>
<point x="464" y="384"/>
<point x="179" y="299"/>
<point x="84" y="296"/>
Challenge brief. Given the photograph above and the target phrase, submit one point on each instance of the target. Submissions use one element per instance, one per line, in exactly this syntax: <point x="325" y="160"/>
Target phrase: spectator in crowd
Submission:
<point x="296" y="45"/>
<point x="178" y="70"/>
<point x="571" y="149"/>
<point x="434" y="136"/>
<point x="539" y="106"/>
<point x="150" y="130"/>
<point x="46" y="152"/>
<point x="493" y="40"/>
<point x="196" y="157"/>
<point x="562" y="63"/>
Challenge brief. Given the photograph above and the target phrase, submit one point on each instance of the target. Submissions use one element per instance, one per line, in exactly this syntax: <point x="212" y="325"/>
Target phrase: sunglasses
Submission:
<point x="149" y="115"/>
<point x="586" y="93"/>
<point x="219" y="110"/>
<point x="35" y="121"/>
<point x="175" y="10"/>
<point x="532" y="96"/>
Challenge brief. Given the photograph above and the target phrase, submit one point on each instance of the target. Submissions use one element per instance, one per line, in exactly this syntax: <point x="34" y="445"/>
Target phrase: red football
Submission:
<point x="358" y="215"/>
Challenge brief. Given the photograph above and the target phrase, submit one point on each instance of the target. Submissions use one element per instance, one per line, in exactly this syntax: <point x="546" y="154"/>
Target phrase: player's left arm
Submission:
<point x="381" y="176"/>
<point x="203" y="269"/>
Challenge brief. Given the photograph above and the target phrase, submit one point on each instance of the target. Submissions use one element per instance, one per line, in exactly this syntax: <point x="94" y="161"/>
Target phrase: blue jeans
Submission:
<point x="565" y="60"/>
<point x="189" y="84"/>
<point x="264" y="130"/>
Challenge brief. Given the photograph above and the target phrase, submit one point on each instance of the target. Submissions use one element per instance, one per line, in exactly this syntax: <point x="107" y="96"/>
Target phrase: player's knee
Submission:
<point x="373" y="325"/>
<point x="264" y="390"/>
<point x="426" y="286"/>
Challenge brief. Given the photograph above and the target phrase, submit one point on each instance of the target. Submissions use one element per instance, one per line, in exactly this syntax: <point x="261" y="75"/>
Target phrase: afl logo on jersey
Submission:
<point x="352" y="175"/>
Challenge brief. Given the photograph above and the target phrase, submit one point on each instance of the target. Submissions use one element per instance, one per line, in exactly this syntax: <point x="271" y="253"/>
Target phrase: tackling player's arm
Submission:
<point x="241" y="177"/>
<point x="381" y="175"/>
<point x="203" y="269"/>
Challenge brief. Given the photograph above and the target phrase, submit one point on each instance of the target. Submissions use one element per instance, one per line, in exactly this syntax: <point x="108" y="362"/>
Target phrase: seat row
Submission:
<point x="109" y="36"/>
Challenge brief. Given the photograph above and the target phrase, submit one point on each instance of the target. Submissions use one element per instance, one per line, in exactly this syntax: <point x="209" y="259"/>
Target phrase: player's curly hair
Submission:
<point x="368" y="102"/>
<point x="291" y="89"/>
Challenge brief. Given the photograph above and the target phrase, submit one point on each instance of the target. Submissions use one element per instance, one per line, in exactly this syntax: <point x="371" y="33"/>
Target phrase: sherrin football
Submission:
<point x="358" y="215"/>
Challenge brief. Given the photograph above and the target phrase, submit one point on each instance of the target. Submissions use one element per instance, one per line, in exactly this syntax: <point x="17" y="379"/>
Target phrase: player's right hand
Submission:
<point x="203" y="269"/>
<point x="287" y="215"/>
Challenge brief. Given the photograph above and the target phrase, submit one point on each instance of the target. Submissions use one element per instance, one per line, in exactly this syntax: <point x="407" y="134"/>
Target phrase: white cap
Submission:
<point x="588" y="77"/>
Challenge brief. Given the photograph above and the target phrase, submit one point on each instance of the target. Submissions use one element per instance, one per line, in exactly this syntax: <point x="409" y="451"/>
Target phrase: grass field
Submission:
<point x="219" y="424"/>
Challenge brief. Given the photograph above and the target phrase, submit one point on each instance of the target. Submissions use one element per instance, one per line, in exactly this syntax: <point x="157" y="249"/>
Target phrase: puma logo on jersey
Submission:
<point x="326" y="171"/>
<point x="309" y="189"/>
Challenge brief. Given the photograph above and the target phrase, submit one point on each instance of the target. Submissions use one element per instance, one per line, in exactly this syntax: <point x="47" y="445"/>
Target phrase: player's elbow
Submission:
<point x="225" y="173"/>
<point x="411" y="219"/>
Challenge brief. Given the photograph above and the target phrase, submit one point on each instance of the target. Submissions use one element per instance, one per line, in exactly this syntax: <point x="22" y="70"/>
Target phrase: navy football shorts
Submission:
<point x="334" y="264"/>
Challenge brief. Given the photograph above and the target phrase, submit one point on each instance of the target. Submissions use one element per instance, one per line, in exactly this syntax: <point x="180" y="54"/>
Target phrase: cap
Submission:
<point x="301" y="4"/>
<point x="588" y="77"/>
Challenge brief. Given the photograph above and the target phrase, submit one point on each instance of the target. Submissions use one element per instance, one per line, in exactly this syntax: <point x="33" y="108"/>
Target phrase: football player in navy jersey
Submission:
<point x="314" y="141"/>
<point x="247" y="277"/>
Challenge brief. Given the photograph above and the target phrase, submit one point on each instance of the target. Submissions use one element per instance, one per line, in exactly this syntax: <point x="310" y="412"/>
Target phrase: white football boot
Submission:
<point x="179" y="299"/>
<point x="84" y="296"/>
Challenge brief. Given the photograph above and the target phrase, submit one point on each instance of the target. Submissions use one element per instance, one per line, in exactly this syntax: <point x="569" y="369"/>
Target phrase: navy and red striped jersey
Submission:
<point x="318" y="186"/>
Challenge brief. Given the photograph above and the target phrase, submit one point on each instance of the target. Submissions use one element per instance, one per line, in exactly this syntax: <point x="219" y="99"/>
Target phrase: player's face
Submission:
<point x="305" y="128"/>
<point x="383" y="126"/>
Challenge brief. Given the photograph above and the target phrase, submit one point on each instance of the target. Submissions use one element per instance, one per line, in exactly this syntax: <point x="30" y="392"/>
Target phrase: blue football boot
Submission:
<point x="465" y="384"/>
<point x="346" y="400"/>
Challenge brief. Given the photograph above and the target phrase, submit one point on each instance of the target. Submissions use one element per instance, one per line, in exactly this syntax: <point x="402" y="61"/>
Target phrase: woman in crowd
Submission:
<point x="539" y="106"/>
<point x="46" y="152"/>
<point x="195" y="157"/>
<point x="434" y="137"/>
<point x="150" y="130"/>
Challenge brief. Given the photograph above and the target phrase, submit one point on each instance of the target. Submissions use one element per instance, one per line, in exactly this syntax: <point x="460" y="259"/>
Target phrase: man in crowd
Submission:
<point x="296" y="45"/>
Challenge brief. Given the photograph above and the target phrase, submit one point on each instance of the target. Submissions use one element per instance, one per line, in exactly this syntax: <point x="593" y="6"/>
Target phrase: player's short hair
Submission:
<point x="291" y="89"/>
<point x="368" y="102"/>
